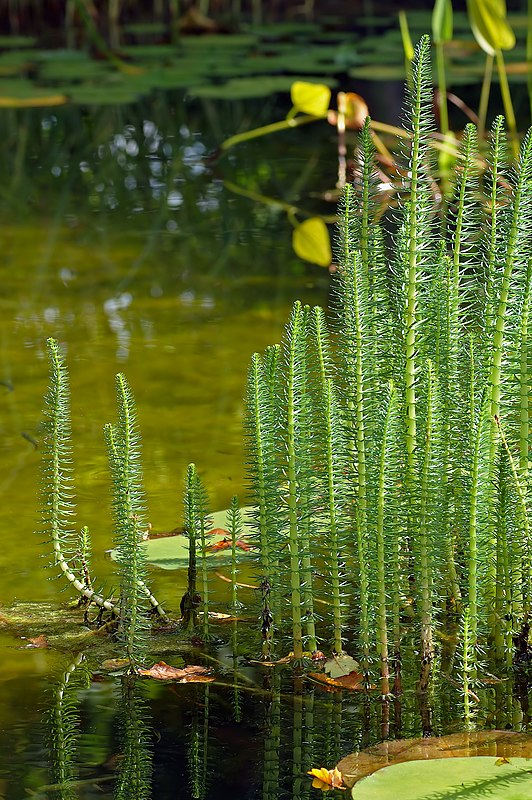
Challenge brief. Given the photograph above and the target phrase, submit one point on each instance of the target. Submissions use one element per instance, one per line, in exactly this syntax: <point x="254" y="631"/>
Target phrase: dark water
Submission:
<point x="120" y="239"/>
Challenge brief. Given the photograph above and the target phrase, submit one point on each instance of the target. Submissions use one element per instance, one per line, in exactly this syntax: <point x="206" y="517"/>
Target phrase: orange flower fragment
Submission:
<point x="326" y="779"/>
<point x="164" y="672"/>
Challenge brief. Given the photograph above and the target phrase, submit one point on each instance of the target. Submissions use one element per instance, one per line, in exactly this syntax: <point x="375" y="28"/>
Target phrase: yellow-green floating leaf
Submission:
<point x="311" y="98"/>
<point x="311" y="242"/>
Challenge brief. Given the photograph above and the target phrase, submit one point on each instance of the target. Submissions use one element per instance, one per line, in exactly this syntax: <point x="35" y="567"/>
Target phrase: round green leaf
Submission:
<point x="311" y="98"/>
<point x="311" y="242"/>
<point x="488" y="777"/>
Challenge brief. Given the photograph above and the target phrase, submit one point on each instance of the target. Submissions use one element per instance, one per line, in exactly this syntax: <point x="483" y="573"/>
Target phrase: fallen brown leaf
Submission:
<point x="353" y="681"/>
<point x="226" y="542"/>
<point x="115" y="663"/>
<point x="165" y="672"/>
<point x="38" y="641"/>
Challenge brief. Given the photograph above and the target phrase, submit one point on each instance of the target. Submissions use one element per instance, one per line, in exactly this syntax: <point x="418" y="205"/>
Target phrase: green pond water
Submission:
<point x="120" y="240"/>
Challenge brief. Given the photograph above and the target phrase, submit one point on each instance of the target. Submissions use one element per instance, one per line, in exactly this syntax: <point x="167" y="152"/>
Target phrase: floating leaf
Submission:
<point x="164" y="672"/>
<point x="12" y="42"/>
<point x="311" y="98"/>
<point x="498" y="744"/>
<point x="113" y="664"/>
<point x="171" y="552"/>
<point x="340" y="665"/>
<point x="481" y="776"/>
<point x="326" y="779"/>
<point x="242" y="88"/>
<point x="378" y="72"/>
<point x="353" y="681"/>
<point x="35" y="101"/>
<point x="311" y="242"/>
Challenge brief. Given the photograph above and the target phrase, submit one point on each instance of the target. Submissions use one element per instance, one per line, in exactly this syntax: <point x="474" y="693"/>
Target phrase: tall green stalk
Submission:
<point x="333" y="465"/>
<point x="57" y="484"/>
<point x="264" y="483"/>
<point x="196" y="528"/>
<point x="123" y="443"/>
<point x="291" y="357"/>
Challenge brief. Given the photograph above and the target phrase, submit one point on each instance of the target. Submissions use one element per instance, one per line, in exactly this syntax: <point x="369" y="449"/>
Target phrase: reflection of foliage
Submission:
<point x="134" y="779"/>
<point x="198" y="749"/>
<point x="64" y="727"/>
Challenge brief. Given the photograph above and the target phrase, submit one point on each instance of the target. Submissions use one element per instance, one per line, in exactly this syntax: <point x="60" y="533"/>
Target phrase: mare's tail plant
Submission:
<point x="400" y="464"/>
<point x="71" y="548"/>
<point x="234" y="526"/>
<point x="58" y="484"/>
<point x="196" y="528"/>
<point x="123" y="445"/>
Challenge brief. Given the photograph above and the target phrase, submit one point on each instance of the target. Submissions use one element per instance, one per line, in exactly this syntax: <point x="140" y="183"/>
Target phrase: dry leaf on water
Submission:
<point x="165" y="672"/>
<point x="326" y="779"/>
<point x="37" y="641"/>
<point x="226" y="542"/>
<point x="113" y="664"/>
<point x="228" y="580"/>
<point x="352" y="681"/>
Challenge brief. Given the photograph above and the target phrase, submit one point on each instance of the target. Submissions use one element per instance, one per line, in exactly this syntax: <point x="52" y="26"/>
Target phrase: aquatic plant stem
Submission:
<point x="334" y="481"/>
<point x="484" y="96"/>
<point x="382" y="625"/>
<point x="425" y="581"/>
<point x="274" y="127"/>
<point x="507" y="102"/>
<point x="442" y="88"/>
<point x="293" y="484"/>
<point x="58" y="497"/>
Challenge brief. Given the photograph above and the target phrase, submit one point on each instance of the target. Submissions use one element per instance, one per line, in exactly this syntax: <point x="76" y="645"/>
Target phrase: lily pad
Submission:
<point x="103" y="95"/>
<point x="171" y="552"/>
<point x="484" y="776"/>
<point x="498" y="744"/>
<point x="75" y="70"/>
<point x="213" y="42"/>
<point x="376" y="72"/>
<point x="147" y="52"/>
<point x="16" y="42"/>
